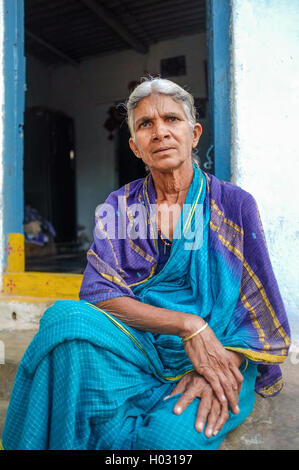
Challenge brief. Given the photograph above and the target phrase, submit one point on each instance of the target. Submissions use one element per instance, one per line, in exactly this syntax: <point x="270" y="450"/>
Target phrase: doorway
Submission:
<point x="82" y="58"/>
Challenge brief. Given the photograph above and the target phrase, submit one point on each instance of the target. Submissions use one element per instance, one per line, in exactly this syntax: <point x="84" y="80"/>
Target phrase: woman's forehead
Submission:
<point x="158" y="103"/>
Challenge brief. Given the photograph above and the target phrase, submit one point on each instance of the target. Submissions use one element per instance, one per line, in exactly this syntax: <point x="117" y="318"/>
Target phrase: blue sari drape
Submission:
<point x="87" y="381"/>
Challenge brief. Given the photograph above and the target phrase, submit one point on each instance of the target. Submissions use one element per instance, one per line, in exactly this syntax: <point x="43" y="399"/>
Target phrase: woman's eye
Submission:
<point x="172" y="118"/>
<point x="144" y="124"/>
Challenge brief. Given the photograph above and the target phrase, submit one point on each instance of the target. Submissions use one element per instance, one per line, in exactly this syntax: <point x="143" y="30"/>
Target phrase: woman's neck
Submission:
<point x="172" y="187"/>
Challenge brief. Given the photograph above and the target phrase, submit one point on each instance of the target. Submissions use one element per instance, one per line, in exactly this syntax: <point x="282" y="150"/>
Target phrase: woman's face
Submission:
<point x="163" y="136"/>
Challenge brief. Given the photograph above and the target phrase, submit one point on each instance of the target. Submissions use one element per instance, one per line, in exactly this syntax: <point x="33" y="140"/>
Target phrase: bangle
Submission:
<point x="184" y="340"/>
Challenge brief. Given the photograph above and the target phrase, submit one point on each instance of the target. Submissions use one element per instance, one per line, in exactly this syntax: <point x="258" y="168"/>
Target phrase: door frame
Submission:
<point x="219" y="42"/>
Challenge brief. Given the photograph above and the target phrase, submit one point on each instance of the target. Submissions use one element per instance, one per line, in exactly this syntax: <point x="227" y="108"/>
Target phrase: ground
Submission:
<point x="272" y="425"/>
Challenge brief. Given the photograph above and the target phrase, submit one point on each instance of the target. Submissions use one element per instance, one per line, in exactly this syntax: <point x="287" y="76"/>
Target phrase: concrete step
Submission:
<point x="22" y="313"/>
<point x="14" y="343"/>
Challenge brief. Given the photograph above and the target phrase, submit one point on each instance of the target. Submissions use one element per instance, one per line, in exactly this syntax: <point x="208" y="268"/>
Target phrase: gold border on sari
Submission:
<point x="272" y="389"/>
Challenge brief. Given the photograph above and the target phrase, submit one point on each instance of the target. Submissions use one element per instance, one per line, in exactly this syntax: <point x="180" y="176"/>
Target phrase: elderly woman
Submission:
<point x="179" y="320"/>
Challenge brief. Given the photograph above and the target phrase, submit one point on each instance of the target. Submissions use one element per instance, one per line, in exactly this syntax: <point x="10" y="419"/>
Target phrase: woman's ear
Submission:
<point x="197" y="131"/>
<point x="134" y="147"/>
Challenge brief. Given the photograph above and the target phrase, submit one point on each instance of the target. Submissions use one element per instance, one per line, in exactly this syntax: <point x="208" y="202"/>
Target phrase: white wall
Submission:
<point x="265" y="158"/>
<point x="86" y="92"/>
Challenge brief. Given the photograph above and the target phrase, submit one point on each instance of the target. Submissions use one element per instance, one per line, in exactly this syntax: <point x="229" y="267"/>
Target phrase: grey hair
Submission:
<point x="152" y="85"/>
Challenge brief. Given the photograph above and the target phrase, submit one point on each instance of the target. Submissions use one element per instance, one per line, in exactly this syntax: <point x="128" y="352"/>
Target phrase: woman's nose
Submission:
<point x="160" y="131"/>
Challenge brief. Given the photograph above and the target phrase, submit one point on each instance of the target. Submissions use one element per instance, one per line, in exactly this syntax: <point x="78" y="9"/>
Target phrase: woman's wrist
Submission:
<point x="237" y="357"/>
<point x="191" y="323"/>
<point x="197" y="332"/>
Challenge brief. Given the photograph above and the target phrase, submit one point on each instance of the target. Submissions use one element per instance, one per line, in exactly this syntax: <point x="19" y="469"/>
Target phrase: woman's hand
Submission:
<point x="210" y="410"/>
<point x="217" y="365"/>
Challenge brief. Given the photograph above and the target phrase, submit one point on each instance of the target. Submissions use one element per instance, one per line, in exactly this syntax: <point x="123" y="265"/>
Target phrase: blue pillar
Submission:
<point x="14" y="102"/>
<point x="219" y="63"/>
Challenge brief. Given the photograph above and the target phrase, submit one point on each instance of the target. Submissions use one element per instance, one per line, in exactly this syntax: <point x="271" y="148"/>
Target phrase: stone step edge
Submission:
<point x="21" y="313"/>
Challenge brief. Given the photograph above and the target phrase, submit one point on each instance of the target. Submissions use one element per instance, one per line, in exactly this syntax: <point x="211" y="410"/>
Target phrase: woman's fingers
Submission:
<point x="238" y="376"/>
<point x="191" y="386"/>
<point x="213" y="378"/>
<point x="210" y="360"/>
<point x="179" y="388"/>
<point x="215" y="364"/>
<point x="231" y="389"/>
<point x="213" y="418"/>
<point x="222" y="418"/>
<point x="210" y="412"/>
<point x="183" y="402"/>
<point x="224" y="384"/>
<point x="203" y="411"/>
<point x="232" y="384"/>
